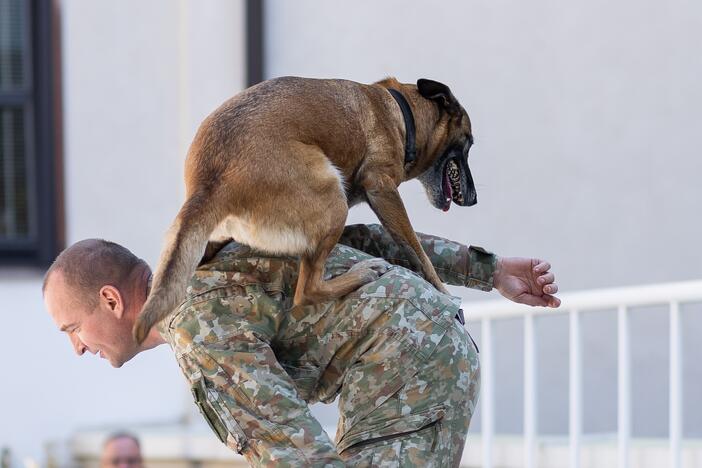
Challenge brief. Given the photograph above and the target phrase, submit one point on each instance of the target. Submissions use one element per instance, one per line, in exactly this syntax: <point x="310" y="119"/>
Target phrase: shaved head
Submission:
<point x="93" y="292"/>
<point x="90" y="264"/>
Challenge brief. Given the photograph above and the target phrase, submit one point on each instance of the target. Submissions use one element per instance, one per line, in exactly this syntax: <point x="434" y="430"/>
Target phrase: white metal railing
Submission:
<point x="622" y="300"/>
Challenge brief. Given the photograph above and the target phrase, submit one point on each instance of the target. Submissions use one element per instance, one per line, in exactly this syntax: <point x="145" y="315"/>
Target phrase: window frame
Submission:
<point x="42" y="133"/>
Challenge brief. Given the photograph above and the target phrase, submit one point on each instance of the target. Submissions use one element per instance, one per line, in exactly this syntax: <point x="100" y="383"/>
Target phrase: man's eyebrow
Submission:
<point x="66" y="327"/>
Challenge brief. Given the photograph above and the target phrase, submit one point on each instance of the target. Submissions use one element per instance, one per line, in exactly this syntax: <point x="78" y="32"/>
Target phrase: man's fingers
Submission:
<point x="546" y="300"/>
<point x="541" y="266"/>
<point x="552" y="301"/>
<point x="547" y="283"/>
<point x="530" y="299"/>
<point x="546" y="278"/>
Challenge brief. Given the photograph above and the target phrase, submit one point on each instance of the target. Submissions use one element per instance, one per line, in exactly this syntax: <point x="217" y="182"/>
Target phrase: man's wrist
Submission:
<point x="481" y="268"/>
<point x="497" y="274"/>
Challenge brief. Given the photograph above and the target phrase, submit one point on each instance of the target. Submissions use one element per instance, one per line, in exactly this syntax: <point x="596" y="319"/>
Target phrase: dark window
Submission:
<point x="28" y="157"/>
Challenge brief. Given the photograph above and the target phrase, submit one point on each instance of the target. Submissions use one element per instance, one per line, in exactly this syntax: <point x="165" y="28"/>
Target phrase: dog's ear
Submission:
<point x="439" y="92"/>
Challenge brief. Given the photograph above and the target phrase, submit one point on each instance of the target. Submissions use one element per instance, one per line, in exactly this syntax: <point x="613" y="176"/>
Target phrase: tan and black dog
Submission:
<point x="278" y="166"/>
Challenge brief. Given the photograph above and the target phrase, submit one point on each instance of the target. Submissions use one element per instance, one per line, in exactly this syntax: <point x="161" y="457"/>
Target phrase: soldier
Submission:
<point x="121" y="450"/>
<point x="395" y="351"/>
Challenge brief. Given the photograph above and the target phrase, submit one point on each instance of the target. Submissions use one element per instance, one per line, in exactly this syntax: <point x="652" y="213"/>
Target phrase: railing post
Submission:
<point x="623" y="299"/>
<point x="575" y="389"/>
<point x="487" y="392"/>
<point x="529" y="391"/>
<point x="675" y="382"/>
<point x="623" y="386"/>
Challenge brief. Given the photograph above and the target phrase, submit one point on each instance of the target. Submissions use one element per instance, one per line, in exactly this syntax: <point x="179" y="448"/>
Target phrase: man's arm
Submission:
<point x="455" y="263"/>
<point x="522" y="280"/>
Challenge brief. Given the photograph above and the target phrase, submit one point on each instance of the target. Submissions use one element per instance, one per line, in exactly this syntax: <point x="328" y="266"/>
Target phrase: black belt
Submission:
<point x="459" y="316"/>
<point x="462" y="320"/>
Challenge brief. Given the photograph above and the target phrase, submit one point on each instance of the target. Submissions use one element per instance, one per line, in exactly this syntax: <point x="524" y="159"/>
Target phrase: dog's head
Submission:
<point x="448" y="178"/>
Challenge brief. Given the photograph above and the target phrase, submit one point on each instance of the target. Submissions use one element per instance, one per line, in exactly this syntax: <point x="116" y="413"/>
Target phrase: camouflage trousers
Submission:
<point x="426" y="422"/>
<point x="405" y="370"/>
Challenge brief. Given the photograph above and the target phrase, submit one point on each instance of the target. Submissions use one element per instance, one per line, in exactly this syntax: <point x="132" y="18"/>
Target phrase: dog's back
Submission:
<point x="264" y="119"/>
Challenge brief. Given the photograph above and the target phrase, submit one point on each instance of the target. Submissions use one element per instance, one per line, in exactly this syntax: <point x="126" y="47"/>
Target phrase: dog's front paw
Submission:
<point x="372" y="269"/>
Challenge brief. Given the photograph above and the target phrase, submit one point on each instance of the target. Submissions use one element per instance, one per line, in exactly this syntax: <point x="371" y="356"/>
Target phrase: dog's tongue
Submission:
<point x="448" y="192"/>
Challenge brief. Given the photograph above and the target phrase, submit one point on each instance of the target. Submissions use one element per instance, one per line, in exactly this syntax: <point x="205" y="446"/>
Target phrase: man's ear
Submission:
<point x="438" y="92"/>
<point x="111" y="299"/>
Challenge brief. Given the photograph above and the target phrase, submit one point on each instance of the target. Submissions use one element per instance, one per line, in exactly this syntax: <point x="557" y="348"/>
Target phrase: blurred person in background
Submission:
<point x="121" y="450"/>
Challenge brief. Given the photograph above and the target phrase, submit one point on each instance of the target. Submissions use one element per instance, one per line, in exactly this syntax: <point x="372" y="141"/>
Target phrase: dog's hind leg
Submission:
<point x="311" y="287"/>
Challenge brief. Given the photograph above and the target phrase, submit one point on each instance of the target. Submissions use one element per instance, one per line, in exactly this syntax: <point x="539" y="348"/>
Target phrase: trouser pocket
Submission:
<point x="393" y="428"/>
<point x="434" y="436"/>
<point x="218" y="417"/>
<point x="421" y="444"/>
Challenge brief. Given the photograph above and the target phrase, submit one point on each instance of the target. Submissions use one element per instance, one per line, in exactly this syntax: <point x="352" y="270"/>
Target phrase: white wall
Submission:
<point x="138" y="78"/>
<point x="587" y="119"/>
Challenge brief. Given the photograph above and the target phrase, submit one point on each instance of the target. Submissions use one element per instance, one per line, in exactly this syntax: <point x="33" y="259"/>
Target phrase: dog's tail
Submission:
<point x="185" y="244"/>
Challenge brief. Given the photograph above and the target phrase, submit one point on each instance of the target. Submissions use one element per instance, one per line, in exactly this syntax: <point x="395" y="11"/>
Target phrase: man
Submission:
<point x="121" y="450"/>
<point x="395" y="352"/>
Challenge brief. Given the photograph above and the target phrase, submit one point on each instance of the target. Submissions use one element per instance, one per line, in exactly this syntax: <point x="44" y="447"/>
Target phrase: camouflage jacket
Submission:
<point x="254" y="363"/>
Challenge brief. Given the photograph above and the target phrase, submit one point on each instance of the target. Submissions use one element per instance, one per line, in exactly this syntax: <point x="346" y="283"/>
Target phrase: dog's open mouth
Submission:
<point x="452" y="184"/>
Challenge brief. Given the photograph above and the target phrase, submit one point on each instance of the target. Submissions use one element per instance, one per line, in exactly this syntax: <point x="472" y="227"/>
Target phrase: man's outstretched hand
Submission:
<point x="526" y="281"/>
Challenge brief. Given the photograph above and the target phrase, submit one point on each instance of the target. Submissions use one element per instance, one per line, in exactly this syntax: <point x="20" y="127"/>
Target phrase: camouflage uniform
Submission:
<point x="404" y="368"/>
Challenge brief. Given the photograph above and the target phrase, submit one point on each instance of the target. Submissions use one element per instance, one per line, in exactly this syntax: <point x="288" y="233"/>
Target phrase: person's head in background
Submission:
<point x="121" y="450"/>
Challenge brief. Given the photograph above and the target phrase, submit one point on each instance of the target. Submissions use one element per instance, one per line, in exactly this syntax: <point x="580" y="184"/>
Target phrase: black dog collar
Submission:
<point x="410" y="149"/>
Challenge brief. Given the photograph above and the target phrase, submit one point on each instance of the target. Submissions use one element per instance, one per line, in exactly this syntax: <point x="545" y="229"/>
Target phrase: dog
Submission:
<point x="278" y="166"/>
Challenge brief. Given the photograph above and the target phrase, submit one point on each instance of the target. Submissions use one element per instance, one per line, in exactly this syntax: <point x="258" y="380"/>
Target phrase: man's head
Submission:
<point x="93" y="292"/>
<point x="121" y="450"/>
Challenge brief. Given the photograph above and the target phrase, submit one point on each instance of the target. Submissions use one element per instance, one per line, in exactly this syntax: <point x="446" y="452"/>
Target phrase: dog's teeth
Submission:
<point x="454" y="175"/>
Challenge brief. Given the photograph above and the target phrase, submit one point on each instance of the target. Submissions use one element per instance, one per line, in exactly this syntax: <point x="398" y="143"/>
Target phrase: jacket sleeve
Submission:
<point x="455" y="263"/>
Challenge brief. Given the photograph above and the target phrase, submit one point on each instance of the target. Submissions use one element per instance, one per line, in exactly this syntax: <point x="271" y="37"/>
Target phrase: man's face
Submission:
<point x="106" y="330"/>
<point x="122" y="452"/>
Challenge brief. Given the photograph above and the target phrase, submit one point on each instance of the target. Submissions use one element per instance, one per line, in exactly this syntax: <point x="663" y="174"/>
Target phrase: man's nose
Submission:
<point x="78" y="345"/>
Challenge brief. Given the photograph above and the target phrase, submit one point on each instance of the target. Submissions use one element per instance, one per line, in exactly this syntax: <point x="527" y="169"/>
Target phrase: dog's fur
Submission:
<point x="278" y="165"/>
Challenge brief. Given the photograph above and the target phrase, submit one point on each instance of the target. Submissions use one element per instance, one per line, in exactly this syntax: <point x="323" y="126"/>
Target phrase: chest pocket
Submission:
<point x="218" y="418"/>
